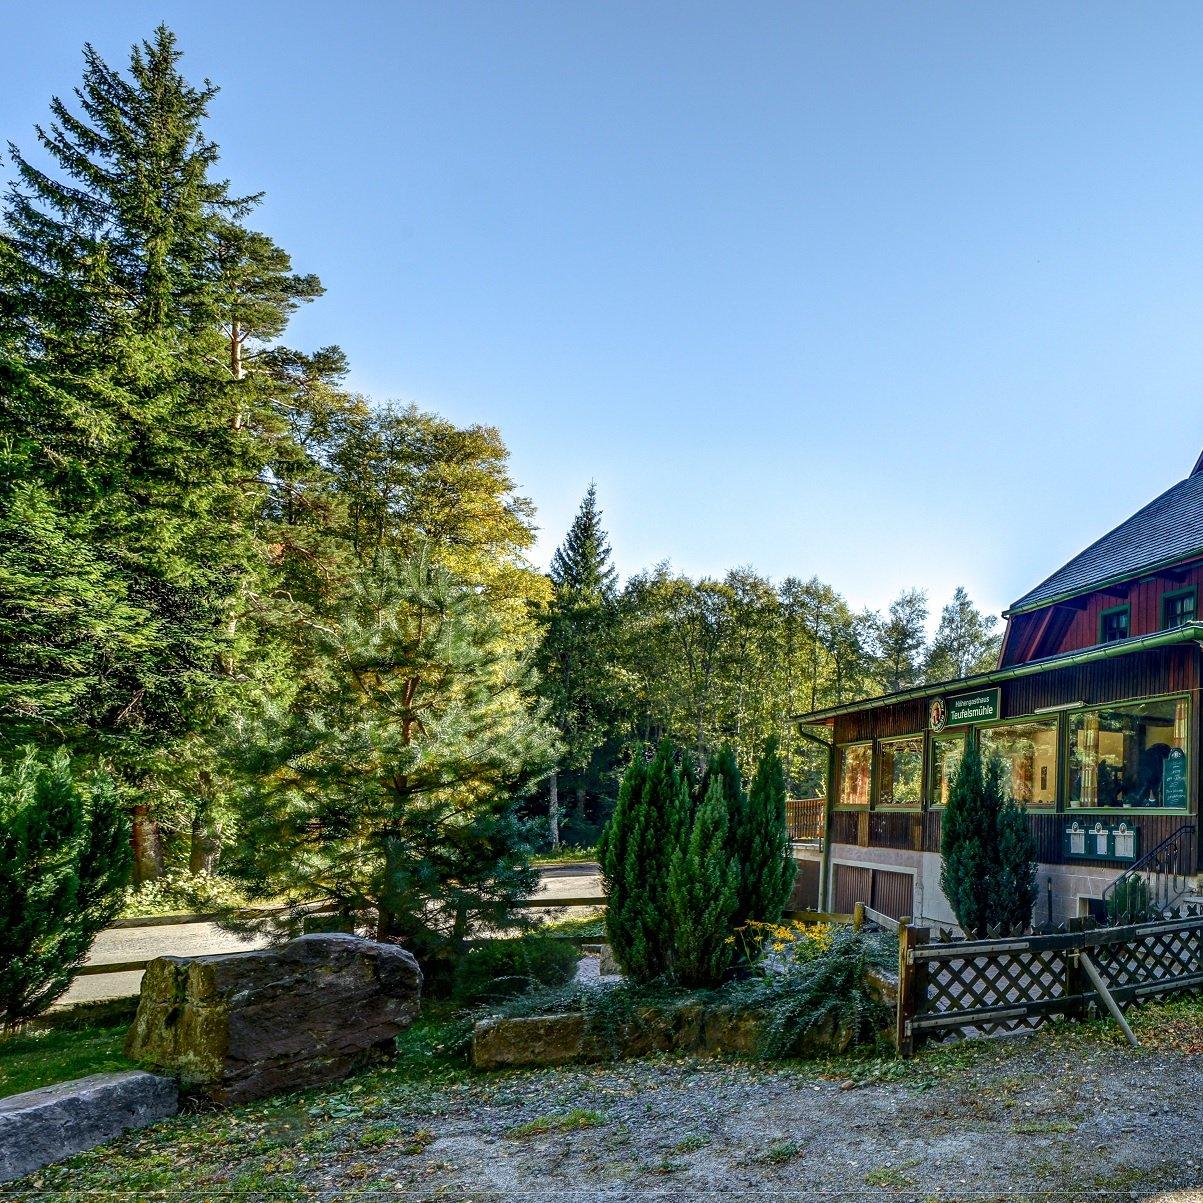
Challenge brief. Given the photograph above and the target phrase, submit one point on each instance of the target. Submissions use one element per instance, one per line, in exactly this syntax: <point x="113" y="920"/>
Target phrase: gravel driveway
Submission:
<point x="1066" y="1115"/>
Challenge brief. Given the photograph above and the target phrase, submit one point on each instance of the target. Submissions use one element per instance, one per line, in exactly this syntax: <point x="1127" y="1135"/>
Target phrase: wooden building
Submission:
<point x="1093" y="708"/>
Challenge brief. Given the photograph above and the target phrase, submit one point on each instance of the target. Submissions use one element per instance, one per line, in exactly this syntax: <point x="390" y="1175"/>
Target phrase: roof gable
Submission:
<point x="1166" y="531"/>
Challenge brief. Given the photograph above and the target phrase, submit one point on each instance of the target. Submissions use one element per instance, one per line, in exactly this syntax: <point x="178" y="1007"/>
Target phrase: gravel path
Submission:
<point x="1027" y="1122"/>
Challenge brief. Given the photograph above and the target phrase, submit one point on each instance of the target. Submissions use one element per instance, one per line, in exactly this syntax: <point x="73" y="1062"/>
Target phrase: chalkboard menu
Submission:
<point x="1173" y="779"/>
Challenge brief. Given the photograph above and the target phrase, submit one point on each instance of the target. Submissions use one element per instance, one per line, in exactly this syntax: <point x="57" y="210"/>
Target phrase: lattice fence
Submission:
<point x="956" y="987"/>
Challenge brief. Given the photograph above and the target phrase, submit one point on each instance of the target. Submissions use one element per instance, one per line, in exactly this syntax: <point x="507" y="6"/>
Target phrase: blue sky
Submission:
<point x="891" y="294"/>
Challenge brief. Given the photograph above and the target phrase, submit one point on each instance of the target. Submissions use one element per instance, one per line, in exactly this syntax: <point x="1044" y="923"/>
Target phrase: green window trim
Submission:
<point x="1185" y="697"/>
<point x="841" y="751"/>
<point x="960" y="737"/>
<point x="1053" y="719"/>
<point x="1172" y="596"/>
<point x="879" y="760"/>
<point x="1126" y="609"/>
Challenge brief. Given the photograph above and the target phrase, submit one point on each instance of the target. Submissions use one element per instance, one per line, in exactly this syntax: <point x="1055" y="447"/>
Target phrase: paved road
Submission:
<point x="195" y="939"/>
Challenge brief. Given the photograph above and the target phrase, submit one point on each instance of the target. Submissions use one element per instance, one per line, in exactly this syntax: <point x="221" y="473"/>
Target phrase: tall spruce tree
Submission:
<point x="636" y="852"/>
<point x="577" y="652"/>
<point x="988" y="871"/>
<point x="900" y="639"/>
<point x="704" y="893"/>
<point x="965" y="641"/>
<point x="124" y="266"/>
<point x="64" y="858"/>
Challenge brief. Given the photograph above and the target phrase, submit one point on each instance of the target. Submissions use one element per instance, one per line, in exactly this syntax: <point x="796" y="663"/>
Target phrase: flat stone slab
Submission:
<point x="54" y="1122"/>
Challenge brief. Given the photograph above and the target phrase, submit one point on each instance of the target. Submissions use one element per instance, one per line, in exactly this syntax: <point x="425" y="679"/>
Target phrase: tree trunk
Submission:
<point x="205" y="847"/>
<point x="553" y="810"/>
<point x="148" y="845"/>
<point x="580" y="803"/>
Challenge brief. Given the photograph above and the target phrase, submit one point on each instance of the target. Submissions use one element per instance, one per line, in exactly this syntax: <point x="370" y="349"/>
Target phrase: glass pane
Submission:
<point x="1132" y="754"/>
<point x="1115" y="625"/>
<point x="856" y="767"/>
<point x="901" y="782"/>
<point x="946" y="759"/>
<point x="1029" y="754"/>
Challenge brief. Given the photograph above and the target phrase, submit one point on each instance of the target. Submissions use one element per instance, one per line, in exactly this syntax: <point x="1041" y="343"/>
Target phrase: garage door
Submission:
<point x="883" y="889"/>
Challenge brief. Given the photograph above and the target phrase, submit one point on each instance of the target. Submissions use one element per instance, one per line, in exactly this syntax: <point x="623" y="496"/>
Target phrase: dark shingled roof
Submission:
<point x="1167" y="530"/>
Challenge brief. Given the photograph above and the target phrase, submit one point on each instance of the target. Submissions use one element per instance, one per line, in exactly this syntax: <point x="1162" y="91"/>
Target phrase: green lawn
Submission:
<point x="43" y="1056"/>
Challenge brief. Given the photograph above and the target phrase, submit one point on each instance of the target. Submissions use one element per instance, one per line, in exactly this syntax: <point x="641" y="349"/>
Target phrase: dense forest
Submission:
<point x="298" y="629"/>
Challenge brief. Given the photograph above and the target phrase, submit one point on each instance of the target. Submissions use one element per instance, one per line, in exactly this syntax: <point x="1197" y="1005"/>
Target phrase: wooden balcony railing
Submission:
<point x="804" y="819"/>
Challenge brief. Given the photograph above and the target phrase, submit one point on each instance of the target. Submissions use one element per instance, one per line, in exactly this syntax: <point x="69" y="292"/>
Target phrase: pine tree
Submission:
<point x="64" y="858"/>
<point x="577" y="650"/>
<point x="703" y="894"/>
<point x="765" y="863"/>
<point x="389" y="786"/>
<point x="125" y="272"/>
<point x="988" y="871"/>
<point x="637" y="851"/>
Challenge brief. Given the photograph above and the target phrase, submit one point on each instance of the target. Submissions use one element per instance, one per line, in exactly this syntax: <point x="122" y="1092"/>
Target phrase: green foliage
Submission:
<point x="391" y="788"/>
<point x="762" y="849"/>
<point x="830" y="990"/>
<point x="502" y="968"/>
<point x="965" y="641"/>
<point x="703" y="894"/>
<point x="1129" y="900"/>
<point x="64" y="858"/>
<point x="988" y="871"/>
<point x="180" y="891"/>
<point x="636" y="855"/>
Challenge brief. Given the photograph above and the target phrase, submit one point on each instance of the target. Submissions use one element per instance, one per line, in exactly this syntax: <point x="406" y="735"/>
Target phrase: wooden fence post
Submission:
<point x="1075" y="982"/>
<point x="858" y="916"/>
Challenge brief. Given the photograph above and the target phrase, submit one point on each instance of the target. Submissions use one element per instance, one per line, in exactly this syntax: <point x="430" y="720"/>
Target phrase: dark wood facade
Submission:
<point x="1159" y="672"/>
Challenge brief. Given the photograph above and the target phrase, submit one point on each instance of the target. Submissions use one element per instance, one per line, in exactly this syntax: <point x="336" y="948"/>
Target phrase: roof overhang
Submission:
<point x="1187" y="633"/>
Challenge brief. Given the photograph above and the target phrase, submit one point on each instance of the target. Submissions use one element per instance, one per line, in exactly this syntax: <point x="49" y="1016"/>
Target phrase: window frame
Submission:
<point x="1189" y="809"/>
<point x="1172" y="595"/>
<point x="1061" y="748"/>
<point x="1105" y="614"/>
<point x="930" y="782"/>
<point x="840" y="750"/>
<point x="878" y="763"/>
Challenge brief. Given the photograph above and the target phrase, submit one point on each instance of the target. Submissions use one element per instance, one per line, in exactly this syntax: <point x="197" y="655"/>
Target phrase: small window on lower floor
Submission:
<point x="855" y="774"/>
<point x="1028" y="751"/>
<point x="946" y="753"/>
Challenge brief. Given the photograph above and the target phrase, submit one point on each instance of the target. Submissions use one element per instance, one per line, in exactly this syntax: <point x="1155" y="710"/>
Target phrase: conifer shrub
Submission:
<point x="762" y="850"/>
<point x="988" y="870"/>
<point x="636" y="854"/>
<point x="65" y="857"/>
<point x="703" y="891"/>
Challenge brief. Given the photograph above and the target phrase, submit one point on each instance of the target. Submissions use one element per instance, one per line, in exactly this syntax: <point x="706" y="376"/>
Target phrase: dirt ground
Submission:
<point x="1066" y="1115"/>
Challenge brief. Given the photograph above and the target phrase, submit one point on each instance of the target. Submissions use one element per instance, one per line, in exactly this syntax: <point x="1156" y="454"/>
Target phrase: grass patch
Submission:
<point x="575" y="1120"/>
<point x="566" y="854"/>
<point x="780" y="1152"/>
<point x="42" y="1056"/>
<point x="691" y="1144"/>
<point x="591" y="925"/>
<point x="888" y="1176"/>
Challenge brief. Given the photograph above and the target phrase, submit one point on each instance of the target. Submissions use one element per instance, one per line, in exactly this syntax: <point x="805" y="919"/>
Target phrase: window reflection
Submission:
<point x="856" y="774"/>
<point x="947" y="751"/>
<point x="1028" y="750"/>
<point x="901" y="774"/>
<point x="1132" y="754"/>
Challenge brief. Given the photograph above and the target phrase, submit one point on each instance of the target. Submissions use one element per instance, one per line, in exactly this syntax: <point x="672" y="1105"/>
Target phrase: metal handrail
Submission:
<point x="1156" y="881"/>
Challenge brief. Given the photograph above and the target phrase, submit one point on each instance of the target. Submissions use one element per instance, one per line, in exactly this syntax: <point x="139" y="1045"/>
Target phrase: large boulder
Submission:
<point x="243" y="1025"/>
<point x="45" y="1125"/>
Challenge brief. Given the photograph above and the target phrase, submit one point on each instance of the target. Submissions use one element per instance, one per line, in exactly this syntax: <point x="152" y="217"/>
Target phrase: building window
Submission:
<point x="900" y="772"/>
<point x="1130" y="754"/>
<point x="946" y="753"/>
<point x="1177" y="608"/>
<point x="856" y="774"/>
<point x="1028" y="750"/>
<point x="1115" y="624"/>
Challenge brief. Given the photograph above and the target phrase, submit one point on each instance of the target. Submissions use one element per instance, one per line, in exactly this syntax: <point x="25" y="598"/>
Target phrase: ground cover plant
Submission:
<point x="43" y="1056"/>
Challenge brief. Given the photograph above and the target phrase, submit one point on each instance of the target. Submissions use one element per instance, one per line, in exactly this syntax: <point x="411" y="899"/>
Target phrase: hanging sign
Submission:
<point x="982" y="706"/>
